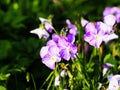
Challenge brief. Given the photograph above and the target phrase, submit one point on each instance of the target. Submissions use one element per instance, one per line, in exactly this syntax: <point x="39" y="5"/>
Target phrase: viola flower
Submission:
<point x="67" y="49"/>
<point x="57" y="81"/>
<point x="94" y="34"/>
<point x="63" y="73"/>
<point x="50" y="55"/>
<point x="106" y="67"/>
<point x="114" y="82"/>
<point x="112" y="11"/>
<point x="71" y="27"/>
<point x="65" y="43"/>
<point x="109" y="20"/>
<point x="41" y="32"/>
<point x="47" y="24"/>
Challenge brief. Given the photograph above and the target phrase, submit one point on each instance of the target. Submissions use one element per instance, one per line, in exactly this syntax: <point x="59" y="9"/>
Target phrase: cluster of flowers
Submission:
<point x="102" y="31"/>
<point x="62" y="47"/>
<point x="58" y="47"/>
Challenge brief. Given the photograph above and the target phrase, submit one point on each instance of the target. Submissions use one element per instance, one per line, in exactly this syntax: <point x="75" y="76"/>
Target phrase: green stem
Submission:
<point x="33" y="82"/>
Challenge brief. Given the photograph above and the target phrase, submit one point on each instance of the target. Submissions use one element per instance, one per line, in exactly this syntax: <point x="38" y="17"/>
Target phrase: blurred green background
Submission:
<point x="20" y="63"/>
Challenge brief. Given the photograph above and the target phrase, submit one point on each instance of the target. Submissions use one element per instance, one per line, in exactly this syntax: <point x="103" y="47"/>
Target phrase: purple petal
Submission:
<point x="51" y="43"/>
<point x="48" y="62"/>
<point x="90" y="27"/>
<point x="65" y="54"/>
<point x="43" y="51"/>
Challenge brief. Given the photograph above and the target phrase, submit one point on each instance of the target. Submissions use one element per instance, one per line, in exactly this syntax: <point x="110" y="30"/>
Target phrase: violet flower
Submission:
<point x="71" y="27"/>
<point x="47" y="24"/>
<point x="94" y="34"/>
<point x="57" y="81"/>
<point x="114" y="82"/>
<point x="50" y="55"/>
<point x="67" y="49"/>
<point x="112" y="11"/>
<point x="106" y="67"/>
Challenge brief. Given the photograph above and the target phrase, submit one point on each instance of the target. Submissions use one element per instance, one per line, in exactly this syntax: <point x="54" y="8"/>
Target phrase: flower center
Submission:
<point x="53" y="58"/>
<point x="96" y="37"/>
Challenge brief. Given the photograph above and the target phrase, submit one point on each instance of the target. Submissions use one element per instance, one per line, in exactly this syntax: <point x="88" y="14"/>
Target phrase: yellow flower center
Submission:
<point x="96" y="37"/>
<point x="53" y="58"/>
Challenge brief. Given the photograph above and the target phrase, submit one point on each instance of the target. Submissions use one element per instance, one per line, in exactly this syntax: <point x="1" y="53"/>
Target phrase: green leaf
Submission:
<point x="5" y="47"/>
<point x="2" y="88"/>
<point x="4" y="76"/>
<point x="109" y="59"/>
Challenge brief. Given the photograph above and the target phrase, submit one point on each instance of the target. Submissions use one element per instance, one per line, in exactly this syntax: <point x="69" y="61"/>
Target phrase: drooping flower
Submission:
<point x="71" y="27"/>
<point x="106" y="67"/>
<point x="47" y="24"/>
<point x="57" y="81"/>
<point x="114" y="82"/>
<point x="63" y="73"/>
<point x="45" y="27"/>
<point x="50" y="55"/>
<point x="41" y="32"/>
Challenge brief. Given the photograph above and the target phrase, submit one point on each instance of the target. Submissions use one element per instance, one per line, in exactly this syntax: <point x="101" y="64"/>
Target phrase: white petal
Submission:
<point x="107" y="38"/>
<point x="110" y="20"/>
<point x="83" y="22"/>
<point x="63" y="73"/>
<point x="57" y="81"/>
<point x="104" y="71"/>
<point x="40" y="32"/>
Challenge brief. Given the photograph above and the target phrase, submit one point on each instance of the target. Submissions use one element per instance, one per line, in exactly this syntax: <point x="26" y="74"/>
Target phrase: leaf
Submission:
<point x="4" y="76"/>
<point x="2" y="87"/>
<point x="5" y="47"/>
<point x="110" y="59"/>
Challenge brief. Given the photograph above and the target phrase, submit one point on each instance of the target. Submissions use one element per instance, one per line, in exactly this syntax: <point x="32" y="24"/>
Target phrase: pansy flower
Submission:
<point x="112" y="11"/>
<point x="50" y="55"/>
<point x="94" y="35"/>
<point x="71" y="27"/>
<point x="47" y="24"/>
<point x="114" y="82"/>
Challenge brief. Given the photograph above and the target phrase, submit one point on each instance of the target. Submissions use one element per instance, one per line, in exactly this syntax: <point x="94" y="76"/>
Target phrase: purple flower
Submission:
<point x="47" y="24"/>
<point x="94" y="34"/>
<point x="66" y="45"/>
<point x="71" y="27"/>
<point x="67" y="49"/>
<point x="109" y="20"/>
<point x="112" y="11"/>
<point x="106" y="67"/>
<point x="50" y="55"/>
<point x="114" y="82"/>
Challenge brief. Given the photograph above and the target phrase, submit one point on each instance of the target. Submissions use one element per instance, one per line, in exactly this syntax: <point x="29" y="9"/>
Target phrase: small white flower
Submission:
<point x="40" y="32"/>
<point x="114" y="82"/>
<point x="57" y="81"/>
<point x="63" y="73"/>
